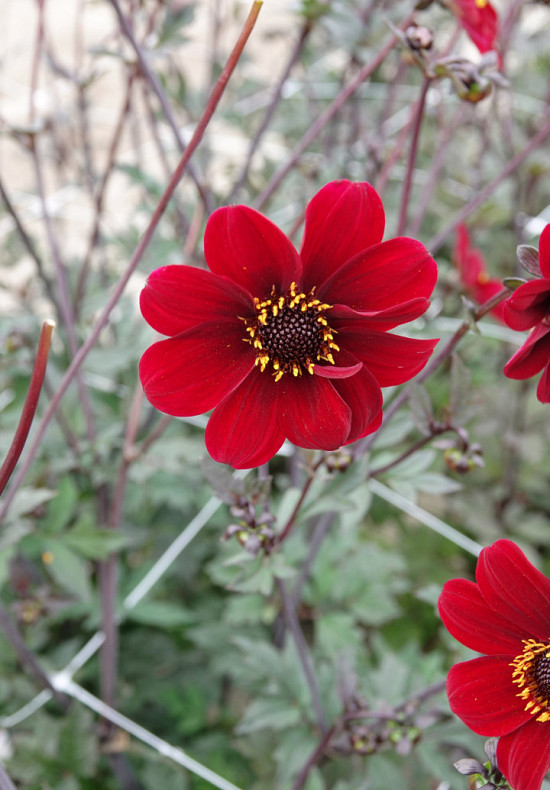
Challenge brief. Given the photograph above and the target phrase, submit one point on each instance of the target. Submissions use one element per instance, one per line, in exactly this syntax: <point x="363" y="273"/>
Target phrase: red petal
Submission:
<point x="343" y="219"/>
<point x="383" y="276"/>
<point x="528" y="304"/>
<point x="336" y="372"/>
<point x="392" y="359"/>
<point x="480" y="22"/>
<point x="543" y="389"/>
<point x="382" y="320"/>
<point x="245" y="246"/>
<point x="532" y="357"/>
<point x="469" y="619"/>
<point x="364" y="397"/>
<point x="482" y="694"/>
<point x="467" y="259"/>
<point x="514" y="588"/>
<point x="311" y="413"/>
<point x="523" y="756"/>
<point x="189" y="374"/>
<point x="544" y="251"/>
<point x="176" y="298"/>
<point x="243" y="429"/>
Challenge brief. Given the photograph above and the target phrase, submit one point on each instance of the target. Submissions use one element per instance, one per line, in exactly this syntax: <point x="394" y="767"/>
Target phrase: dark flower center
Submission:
<point x="532" y="675"/>
<point x="290" y="332"/>
<point x="541" y="673"/>
<point x="292" y="335"/>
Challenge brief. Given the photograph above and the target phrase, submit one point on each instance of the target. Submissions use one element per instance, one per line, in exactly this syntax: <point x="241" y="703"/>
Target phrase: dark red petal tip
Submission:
<point x="342" y="219"/>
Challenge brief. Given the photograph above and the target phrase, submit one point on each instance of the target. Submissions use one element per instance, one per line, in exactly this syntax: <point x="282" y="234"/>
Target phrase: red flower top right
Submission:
<point x="479" y="19"/>
<point x="529" y="308"/>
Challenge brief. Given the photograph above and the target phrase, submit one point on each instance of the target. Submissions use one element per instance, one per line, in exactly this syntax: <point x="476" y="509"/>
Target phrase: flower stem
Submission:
<point x="31" y="402"/>
<point x="303" y="654"/>
<point x="402" y="223"/>
<point x="83" y="351"/>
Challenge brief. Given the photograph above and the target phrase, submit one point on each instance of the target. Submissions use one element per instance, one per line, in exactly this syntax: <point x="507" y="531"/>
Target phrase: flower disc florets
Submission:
<point x="532" y="675"/>
<point x="291" y="333"/>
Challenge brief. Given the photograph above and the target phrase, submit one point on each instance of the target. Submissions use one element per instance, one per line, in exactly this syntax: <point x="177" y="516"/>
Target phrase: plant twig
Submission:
<point x="435" y="243"/>
<point x="161" y="96"/>
<point x="363" y="445"/>
<point x="303" y="654"/>
<point x="27" y="658"/>
<point x="277" y="93"/>
<point x="405" y="195"/>
<point x="29" y="407"/>
<point x="326" y="116"/>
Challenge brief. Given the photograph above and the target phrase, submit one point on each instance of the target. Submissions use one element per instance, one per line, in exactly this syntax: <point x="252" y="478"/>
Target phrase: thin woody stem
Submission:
<point x="83" y="351"/>
<point x="29" y="407"/>
<point x="27" y="658"/>
<point x="365" y="444"/>
<point x="326" y="116"/>
<point x="293" y="624"/>
<point x="161" y="96"/>
<point x="294" y="55"/>
<point x="402" y="222"/>
<point x="435" y="243"/>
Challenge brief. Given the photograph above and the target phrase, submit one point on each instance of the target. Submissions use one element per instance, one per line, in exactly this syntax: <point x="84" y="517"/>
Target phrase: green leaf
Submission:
<point x="68" y="569"/>
<point x="161" y="614"/>
<point x="62" y="507"/>
<point x="273" y="714"/>
<point x="96" y="544"/>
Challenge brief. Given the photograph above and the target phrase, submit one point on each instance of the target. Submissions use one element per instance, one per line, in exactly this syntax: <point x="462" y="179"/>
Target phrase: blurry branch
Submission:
<point x="291" y="620"/>
<point x="405" y="194"/>
<point x="326" y="116"/>
<point x="437" y="163"/>
<point x="400" y="713"/>
<point x="277" y="93"/>
<point x="100" y="194"/>
<point x="108" y="569"/>
<point x="27" y="659"/>
<point x="364" y="445"/>
<point x="5" y="781"/>
<point x="31" y="249"/>
<point x="76" y="362"/>
<point x="65" y="305"/>
<point x="293" y="516"/>
<point x="29" y="407"/>
<point x="182" y="223"/>
<point x="161" y="96"/>
<point x="437" y="241"/>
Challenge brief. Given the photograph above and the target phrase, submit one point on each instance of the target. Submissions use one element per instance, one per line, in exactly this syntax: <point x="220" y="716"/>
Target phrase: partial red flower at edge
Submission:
<point x="480" y="21"/>
<point x="505" y="693"/>
<point x="287" y="345"/>
<point x="529" y="308"/>
<point x="475" y="278"/>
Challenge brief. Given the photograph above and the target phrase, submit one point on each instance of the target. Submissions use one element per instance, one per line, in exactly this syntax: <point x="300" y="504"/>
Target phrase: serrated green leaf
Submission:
<point x="273" y="714"/>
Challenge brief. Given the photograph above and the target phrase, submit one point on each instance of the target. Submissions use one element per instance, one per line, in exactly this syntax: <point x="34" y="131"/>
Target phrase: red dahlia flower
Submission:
<point x="284" y="345"/>
<point x="480" y="21"/>
<point x="529" y="308"/>
<point x="475" y="277"/>
<point x="506" y="693"/>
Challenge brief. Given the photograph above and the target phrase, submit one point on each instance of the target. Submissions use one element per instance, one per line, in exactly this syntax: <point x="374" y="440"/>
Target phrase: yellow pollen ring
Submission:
<point x="524" y="677"/>
<point x="481" y="3"/>
<point x="262" y="333"/>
